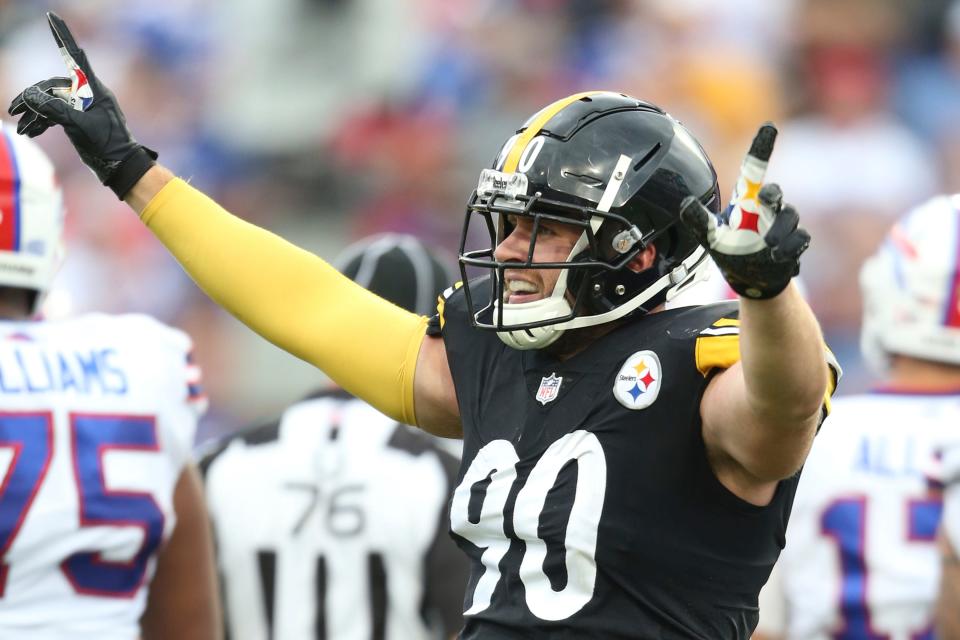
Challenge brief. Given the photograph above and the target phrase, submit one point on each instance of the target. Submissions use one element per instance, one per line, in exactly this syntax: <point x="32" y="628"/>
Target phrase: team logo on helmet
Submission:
<point x="549" y="388"/>
<point x="638" y="382"/>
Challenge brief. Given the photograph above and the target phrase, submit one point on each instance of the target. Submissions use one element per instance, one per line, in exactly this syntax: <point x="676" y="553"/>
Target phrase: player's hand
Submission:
<point x="755" y="242"/>
<point x="88" y="113"/>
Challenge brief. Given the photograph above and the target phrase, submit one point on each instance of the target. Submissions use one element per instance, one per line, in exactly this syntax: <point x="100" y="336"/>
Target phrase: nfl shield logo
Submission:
<point x="548" y="389"/>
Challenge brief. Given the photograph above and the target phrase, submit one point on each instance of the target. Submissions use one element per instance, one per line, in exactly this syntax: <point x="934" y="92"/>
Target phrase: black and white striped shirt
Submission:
<point x="332" y="524"/>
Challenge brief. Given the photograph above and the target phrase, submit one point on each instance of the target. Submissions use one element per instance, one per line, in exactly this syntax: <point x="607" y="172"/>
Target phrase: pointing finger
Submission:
<point x="754" y="166"/>
<point x="64" y="38"/>
<point x="762" y="146"/>
<point x="81" y="91"/>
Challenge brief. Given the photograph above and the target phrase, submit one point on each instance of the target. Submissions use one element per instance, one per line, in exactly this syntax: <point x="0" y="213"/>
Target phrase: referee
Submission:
<point x="317" y="530"/>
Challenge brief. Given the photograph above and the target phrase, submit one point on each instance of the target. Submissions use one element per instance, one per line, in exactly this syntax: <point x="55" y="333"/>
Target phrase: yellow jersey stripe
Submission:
<point x="722" y="352"/>
<point x="442" y="301"/>
<point x="538" y="122"/>
<point x="717" y="352"/>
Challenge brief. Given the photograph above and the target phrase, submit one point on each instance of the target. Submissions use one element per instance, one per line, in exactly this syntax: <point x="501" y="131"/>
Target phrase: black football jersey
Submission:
<point x="585" y="499"/>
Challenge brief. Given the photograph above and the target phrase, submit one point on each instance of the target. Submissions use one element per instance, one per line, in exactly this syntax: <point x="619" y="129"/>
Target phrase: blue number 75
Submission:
<point x="30" y="436"/>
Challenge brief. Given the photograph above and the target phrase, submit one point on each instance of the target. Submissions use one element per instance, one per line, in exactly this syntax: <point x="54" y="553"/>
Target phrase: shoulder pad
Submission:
<point x="453" y="302"/>
<point x="716" y="330"/>
<point x="689" y="322"/>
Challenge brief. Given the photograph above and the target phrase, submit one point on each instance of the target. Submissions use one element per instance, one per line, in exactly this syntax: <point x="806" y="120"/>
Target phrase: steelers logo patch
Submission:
<point x="638" y="382"/>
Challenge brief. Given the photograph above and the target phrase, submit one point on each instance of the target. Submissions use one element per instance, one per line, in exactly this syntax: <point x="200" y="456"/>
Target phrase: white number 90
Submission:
<point x="497" y="460"/>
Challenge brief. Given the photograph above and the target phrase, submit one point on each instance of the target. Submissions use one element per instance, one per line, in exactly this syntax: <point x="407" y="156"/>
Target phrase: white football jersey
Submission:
<point x="860" y="559"/>
<point x="97" y="418"/>
<point x="332" y="524"/>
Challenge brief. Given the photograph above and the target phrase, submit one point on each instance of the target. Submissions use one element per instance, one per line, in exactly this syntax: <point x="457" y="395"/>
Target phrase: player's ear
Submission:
<point x="643" y="260"/>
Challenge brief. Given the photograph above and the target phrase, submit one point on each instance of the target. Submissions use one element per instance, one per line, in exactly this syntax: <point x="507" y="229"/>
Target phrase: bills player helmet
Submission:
<point x="617" y="168"/>
<point x="31" y="217"/>
<point x="911" y="288"/>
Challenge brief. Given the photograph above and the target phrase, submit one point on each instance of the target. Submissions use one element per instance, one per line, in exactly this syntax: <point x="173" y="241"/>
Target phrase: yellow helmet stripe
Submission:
<point x="542" y="118"/>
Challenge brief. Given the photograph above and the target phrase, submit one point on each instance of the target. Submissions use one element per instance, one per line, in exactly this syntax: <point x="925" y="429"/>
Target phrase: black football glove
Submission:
<point x="89" y="114"/>
<point x="755" y="242"/>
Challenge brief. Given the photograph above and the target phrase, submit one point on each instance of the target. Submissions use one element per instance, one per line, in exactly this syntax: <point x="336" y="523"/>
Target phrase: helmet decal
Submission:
<point x="952" y="312"/>
<point x="9" y="195"/>
<point x="31" y="216"/>
<point x="502" y="157"/>
<point x="533" y="127"/>
<point x="529" y="155"/>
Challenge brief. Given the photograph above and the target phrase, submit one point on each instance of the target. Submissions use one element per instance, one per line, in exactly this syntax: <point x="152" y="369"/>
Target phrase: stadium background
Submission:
<point x="324" y="120"/>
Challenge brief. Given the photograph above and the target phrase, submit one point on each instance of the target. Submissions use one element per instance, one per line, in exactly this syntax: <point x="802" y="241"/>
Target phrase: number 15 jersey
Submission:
<point x="586" y="501"/>
<point x="861" y="559"/>
<point x="97" y="418"/>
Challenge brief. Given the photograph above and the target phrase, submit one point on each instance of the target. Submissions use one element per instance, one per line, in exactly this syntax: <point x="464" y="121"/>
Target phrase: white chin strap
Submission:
<point x="556" y="305"/>
<point x="538" y="337"/>
<point x="682" y="277"/>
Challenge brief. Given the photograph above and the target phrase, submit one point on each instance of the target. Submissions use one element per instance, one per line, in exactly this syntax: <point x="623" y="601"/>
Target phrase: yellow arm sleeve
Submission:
<point x="293" y="298"/>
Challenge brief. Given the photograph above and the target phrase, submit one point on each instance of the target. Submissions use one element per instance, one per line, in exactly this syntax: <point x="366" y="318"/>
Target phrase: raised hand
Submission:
<point x="88" y="113"/>
<point x="755" y="242"/>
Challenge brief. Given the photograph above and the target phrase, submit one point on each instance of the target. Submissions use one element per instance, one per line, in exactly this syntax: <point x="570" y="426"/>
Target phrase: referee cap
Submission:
<point x="397" y="267"/>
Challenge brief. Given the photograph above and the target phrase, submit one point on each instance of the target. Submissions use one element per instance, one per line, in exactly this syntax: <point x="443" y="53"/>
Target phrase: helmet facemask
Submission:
<point x="527" y="325"/>
<point x="594" y="278"/>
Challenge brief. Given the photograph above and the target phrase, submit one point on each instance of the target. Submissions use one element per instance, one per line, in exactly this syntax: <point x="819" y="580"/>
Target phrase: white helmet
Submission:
<point x="911" y="288"/>
<point x="31" y="216"/>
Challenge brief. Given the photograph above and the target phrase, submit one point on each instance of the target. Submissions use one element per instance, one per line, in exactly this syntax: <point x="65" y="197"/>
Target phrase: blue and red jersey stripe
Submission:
<point x="952" y="313"/>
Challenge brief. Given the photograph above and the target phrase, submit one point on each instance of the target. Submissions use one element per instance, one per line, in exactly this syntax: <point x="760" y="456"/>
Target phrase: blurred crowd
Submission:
<point x="325" y="120"/>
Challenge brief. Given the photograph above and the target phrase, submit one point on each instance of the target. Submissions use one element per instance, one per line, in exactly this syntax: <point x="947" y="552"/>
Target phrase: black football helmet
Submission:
<point x="617" y="167"/>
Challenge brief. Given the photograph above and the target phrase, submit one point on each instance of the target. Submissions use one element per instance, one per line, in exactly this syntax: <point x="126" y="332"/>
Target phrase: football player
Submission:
<point x="103" y="530"/>
<point x="627" y="470"/>
<point x="331" y="521"/>
<point x="861" y="559"/>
